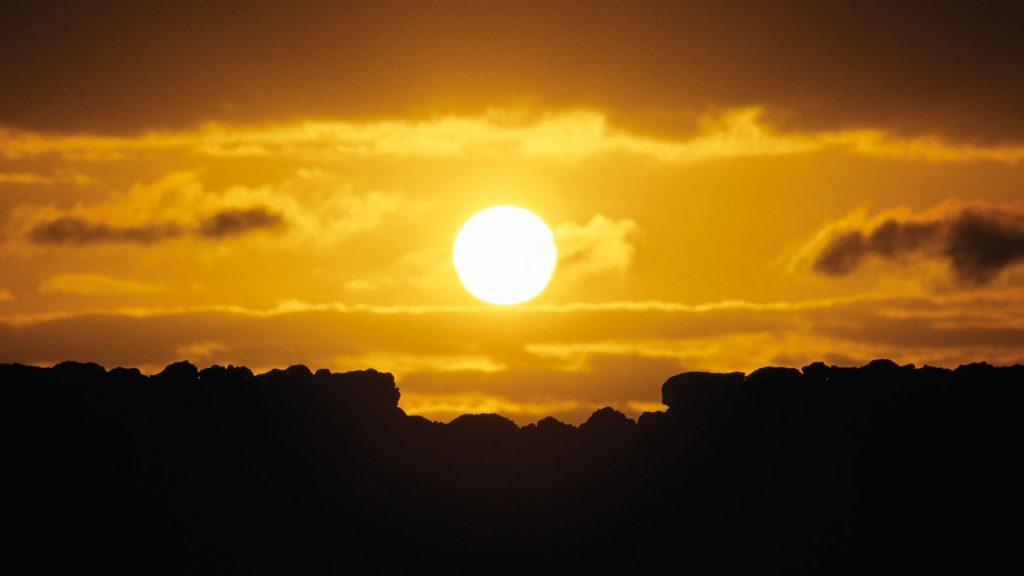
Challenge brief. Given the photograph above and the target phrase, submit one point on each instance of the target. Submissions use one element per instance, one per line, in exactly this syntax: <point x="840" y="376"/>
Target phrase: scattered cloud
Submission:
<point x="977" y="241"/>
<point x="94" y="284"/>
<point x="5" y="295"/>
<point x="76" y="231"/>
<point x="313" y="207"/>
<point x="601" y="245"/>
<point x="233" y="222"/>
<point x="71" y="230"/>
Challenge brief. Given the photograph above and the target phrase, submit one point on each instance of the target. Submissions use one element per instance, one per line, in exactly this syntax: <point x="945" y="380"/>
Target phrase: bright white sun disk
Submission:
<point x="505" y="255"/>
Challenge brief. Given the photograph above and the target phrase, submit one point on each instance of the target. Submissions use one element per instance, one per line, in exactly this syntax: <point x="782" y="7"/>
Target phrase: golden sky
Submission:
<point x="729" y="187"/>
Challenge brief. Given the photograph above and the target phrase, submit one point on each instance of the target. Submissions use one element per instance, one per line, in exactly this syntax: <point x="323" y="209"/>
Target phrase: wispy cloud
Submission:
<point x="74" y="231"/>
<point x="312" y="208"/>
<point x="235" y="221"/>
<point x="95" y="284"/>
<point x="574" y="356"/>
<point x="569" y="135"/>
<point x="201" y="350"/>
<point x="601" y="245"/>
<point x="879" y="144"/>
<point x="20" y="144"/>
<point x="555" y="359"/>
<point x="296" y="306"/>
<point x="81" y="232"/>
<point x="578" y="134"/>
<point x="414" y="363"/>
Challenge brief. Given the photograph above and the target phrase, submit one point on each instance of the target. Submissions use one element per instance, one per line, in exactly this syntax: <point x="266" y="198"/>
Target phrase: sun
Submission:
<point x="505" y="255"/>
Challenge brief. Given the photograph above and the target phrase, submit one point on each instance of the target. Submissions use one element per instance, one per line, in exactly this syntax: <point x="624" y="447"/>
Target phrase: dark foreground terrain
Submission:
<point x="879" y="468"/>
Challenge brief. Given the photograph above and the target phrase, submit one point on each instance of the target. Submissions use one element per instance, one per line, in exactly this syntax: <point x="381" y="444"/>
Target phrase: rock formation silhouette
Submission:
<point x="220" y="470"/>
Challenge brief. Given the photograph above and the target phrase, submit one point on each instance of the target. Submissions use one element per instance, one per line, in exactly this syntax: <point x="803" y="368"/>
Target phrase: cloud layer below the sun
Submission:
<point x="567" y="358"/>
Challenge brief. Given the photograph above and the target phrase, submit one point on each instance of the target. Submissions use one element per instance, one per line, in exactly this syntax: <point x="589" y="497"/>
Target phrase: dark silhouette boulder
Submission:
<point x="691" y="389"/>
<point x="551" y="427"/>
<point x="80" y="373"/>
<point x="490" y="425"/>
<point x="654" y="422"/>
<point x="608" y="421"/>
<point x="183" y="372"/>
<point x="773" y="375"/>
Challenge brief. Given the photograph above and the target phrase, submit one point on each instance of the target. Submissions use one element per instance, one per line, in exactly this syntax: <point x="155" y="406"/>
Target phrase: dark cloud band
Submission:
<point x="235" y="222"/>
<point x="821" y="65"/>
<point x="76" y="231"/>
<point x="79" y="231"/>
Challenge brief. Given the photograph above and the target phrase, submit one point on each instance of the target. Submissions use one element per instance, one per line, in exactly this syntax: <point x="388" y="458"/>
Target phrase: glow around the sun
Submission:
<point x="505" y="255"/>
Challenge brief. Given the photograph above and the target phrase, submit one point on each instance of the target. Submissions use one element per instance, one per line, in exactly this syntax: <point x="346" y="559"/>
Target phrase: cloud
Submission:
<point x="982" y="245"/>
<point x="21" y="144"/>
<point x="834" y="66"/>
<point x="322" y="208"/>
<point x="71" y="230"/>
<point x="6" y="296"/>
<point x="619" y="307"/>
<point x="881" y="144"/>
<point x="564" y="135"/>
<point x="94" y="284"/>
<point x="77" y="231"/>
<point x="641" y="407"/>
<point x="23" y="178"/>
<point x="443" y="407"/>
<point x="573" y="135"/>
<point x="35" y="179"/>
<point x="318" y="208"/>
<point x="343" y="216"/>
<point x="601" y="245"/>
<point x="204" y="349"/>
<point x="977" y="241"/>
<point x="233" y="222"/>
<point x="568" y="135"/>
<point x="413" y="363"/>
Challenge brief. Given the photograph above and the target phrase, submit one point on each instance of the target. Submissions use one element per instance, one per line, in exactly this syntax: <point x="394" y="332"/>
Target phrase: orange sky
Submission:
<point x="728" y="189"/>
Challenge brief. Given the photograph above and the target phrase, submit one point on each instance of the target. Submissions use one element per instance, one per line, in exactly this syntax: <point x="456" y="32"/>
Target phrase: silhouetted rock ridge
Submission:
<point x="221" y="470"/>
